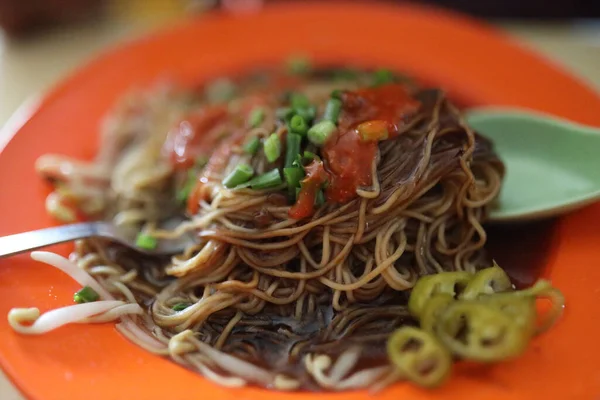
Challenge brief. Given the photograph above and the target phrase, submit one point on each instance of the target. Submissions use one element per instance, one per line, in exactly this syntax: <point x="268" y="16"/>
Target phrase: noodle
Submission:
<point x="268" y="299"/>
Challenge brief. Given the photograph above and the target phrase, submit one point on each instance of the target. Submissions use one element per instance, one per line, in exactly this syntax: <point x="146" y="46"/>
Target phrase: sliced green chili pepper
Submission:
<point x="521" y="309"/>
<point x="487" y="281"/>
<point x="427" y="286"/>
<point x="473" y="330"/>
<point x="541" y="289"/>
<point x="432" y="311"/>
<point x="419" y="356"/>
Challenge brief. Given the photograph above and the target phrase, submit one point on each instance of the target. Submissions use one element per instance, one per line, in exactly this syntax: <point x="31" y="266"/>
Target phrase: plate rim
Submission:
<point x="30" y="112"/>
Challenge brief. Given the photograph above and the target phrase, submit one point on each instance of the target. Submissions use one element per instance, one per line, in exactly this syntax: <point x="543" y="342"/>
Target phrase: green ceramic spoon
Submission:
<point x="552" y="165"/>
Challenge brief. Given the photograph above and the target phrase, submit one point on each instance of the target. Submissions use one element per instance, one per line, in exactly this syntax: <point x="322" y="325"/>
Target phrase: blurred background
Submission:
<point x="41" y="41"/>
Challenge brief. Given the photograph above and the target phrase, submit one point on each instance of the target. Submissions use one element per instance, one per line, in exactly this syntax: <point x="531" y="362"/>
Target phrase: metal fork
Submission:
<point x="26" y="241"/>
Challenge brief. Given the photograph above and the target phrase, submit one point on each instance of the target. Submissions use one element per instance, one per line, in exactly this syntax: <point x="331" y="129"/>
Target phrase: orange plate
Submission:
<point x="475" y="63"/>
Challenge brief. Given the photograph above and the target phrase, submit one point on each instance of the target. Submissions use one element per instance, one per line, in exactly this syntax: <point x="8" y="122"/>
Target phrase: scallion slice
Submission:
<point x="336" y="94"/>
<point x="293" y="176"/>
<point x="319" y="133"/>
<point x="320" y="198"/>
<point x="272" y="147"/>
<point x="298" y="125"/>
<point x="332" y="110"/>
<point x="256" y="117"/>
<point x="298" y="100"/>
<point x="298" y="65"/>
<point x="309" y="155"/>
<point x="292" y="148"/>
<point x="183" y="193"/>
<point x="252" y="145"/>
<point x="284" y="113"/>
<point x="266" y="180"/>
<point x="308" y="113"/>
<point x="220" y="90"/>
<point x="180" y="306"/>
<point x="146" y="241"/>
<point x="383" y="76"/>
<point x="86" y="295"/>
<point x="241" y="174"/>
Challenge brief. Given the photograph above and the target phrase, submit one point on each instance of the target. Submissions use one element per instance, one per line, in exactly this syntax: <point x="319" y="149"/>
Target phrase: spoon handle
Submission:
<point x="21" y="242"/>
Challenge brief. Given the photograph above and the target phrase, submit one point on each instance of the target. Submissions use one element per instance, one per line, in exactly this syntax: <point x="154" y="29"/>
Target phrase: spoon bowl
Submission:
<point x="552" y="165"/>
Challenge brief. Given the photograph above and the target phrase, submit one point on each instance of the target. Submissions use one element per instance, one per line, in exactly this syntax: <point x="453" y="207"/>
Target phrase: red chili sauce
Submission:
<point x="194" y="136"/>
<point x="202" y="133"/>
<point x="368" y="115"/>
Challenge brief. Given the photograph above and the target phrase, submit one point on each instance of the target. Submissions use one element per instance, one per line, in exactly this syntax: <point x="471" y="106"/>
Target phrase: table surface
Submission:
<point x="30" y="67"/>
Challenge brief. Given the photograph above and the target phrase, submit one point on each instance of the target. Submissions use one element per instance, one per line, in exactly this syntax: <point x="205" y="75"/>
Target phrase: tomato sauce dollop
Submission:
<point x="349" y="156"/>
<point x="194" y="135"/>
<point x="200" y="132"/>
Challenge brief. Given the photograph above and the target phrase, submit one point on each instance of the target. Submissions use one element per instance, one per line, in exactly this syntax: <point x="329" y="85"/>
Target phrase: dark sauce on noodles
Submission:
<point x="523" y="250"/>
<point x="279" y="343"/>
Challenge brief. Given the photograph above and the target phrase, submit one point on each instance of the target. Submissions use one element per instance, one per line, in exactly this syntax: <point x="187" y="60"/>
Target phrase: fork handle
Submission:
<point x="21" y="242"/>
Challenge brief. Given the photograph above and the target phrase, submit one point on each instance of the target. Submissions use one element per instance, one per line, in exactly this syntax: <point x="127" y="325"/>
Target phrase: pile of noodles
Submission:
<point x="274" y="301"/>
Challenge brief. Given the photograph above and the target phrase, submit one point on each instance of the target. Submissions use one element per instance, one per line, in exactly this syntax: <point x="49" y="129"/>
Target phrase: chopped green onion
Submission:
<point x="264" y="181"/>
<point x="319" y="133"/>
<point x="86" y="295"/>
<point x="308" y="113"/>
<point x="256" y="117"/>
<point x="298" y="100"/>
<point x="332" y="110"/>
<point x="267" y="180"/>
<point x="298" y="65"/>
<point x="300" y="159"/>
<point x="383" y="76"/>
<point x="251" y="146"/>
<point x="293" y="176"/>
<point x="320" y="198"/>
<point x="272" y="147"/>
<point x="221" y="90"/>
<point x="298" y="125"/>
<point x="336" y="94"/>
<point x="284" y="113"/>
<point x="297" y="161"/>
<point x="292" y="148"/>
<point x="180" y="306"/>
<point x="201" y="161"/>
<point x="241" y="174"/>
<point x="302" y="107"/>
<point x="309" y="155"/>
<point x="146" y="241"/>
<point x="192" y="177"/>
<point x="183" y="193"/>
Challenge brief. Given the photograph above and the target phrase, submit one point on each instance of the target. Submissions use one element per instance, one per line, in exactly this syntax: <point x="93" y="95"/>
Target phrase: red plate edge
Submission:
<point x="519" y="86"/>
